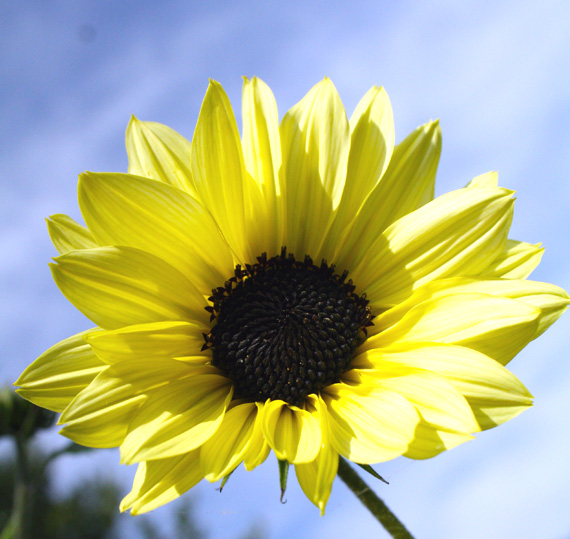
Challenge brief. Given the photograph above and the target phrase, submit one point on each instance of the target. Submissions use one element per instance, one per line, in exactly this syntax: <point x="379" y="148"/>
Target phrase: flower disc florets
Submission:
<point x="285" y="329"/>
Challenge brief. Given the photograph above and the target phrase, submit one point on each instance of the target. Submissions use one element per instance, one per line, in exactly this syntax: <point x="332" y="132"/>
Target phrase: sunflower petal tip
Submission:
<point x="84" y="176"/>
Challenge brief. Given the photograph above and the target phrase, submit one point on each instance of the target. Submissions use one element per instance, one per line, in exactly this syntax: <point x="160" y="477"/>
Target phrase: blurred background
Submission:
<point x="496" y="74"/>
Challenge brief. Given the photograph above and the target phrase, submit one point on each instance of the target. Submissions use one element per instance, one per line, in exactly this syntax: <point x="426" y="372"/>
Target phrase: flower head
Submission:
<point x="297" y="289"/>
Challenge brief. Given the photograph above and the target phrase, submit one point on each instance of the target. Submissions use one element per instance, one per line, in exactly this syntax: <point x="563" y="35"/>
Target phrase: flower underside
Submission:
<point x="285" y="329"/>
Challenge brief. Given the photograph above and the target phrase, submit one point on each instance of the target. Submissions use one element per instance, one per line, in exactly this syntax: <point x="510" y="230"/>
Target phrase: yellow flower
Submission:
<point x="227" y="325"/>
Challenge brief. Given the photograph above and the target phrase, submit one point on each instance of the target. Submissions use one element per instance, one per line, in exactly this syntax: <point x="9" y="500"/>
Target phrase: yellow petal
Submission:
<point x="154" y="340"/>
<point x="156" y="151"/>
<point x="407" y="184"/>
<point x="60" y="373"/>
<point x="369" y="424"/>
<point x="67" y="235"/>
<point x="371" y="146"/>
<point x="551" y="301"/>
<point x="220" y="178"/>
<point x="446" y="419"/>
<point x="119" y="286"/>
<point x="125" y="380"/>
<point x="177" y="418"/>
<point x="457" y="233"/>
<point x="498" y="327"/>
<point x="316" y="477"/>
<point x="438" y="402"/>
<point x="430" y="441"/>
<point x="262" y="157"/>
<point x="293" y="434"/>
<point x="516" y="261"/>
<point x="258" y="449"/>
<point x="489" y="179"/>
<point x="261" y="144"/>
<point x="107" y="428"/>
<point x="100" y="415"/>
<point x="262" y="153"/>
<point x="494" y="394"/>
<point x="315" y="144"/>
<point x="120" y="209"/>
<point x="225" y="449"/>
<point x="160" y="481"/>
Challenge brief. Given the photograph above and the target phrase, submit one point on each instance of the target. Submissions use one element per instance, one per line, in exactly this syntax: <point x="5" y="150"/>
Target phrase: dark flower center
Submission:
<point x="285" y="329"/>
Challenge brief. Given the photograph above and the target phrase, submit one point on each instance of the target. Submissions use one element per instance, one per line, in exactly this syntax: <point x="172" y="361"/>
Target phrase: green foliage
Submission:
<point x="88" y="512"/>
<point x="20" y="417"/>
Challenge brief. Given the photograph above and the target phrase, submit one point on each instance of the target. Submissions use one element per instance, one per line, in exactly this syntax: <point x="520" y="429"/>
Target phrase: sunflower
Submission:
<point x="297" y="289"/>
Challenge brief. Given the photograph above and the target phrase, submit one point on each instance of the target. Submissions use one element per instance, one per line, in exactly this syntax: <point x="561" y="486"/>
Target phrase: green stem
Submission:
<point x="374" y="504"/>
<point x="18" y="525"/>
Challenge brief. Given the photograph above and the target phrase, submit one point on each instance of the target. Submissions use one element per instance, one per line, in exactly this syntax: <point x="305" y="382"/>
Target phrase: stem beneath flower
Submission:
<point x="374" y="504"/>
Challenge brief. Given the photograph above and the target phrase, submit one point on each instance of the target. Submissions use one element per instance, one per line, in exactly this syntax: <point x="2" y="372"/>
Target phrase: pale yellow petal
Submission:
<point x="156" y="151"/>
<point x="121" y="209"/>
<point x="119" y="286"/>
<point x="316" y="477"/>
<point x="457" y="233"/>
<point x="407" y="184"/>
<point x="155" y="340"/>
<point x="438" y="402"/>
<point x="107" y="428"/>
<point x="293" y="434"/>
<point x="446" y="419"/>
<point x="494" y="394"/>
<point x="227" y="446"/>
<point x="369" y="424"/>
<point x="220" y="178"/>
<point x="315" y="144"/>
<point x="122" y="381"/>
<point x="100" y="415"/>
<point x="371" y="146"/>
<point x="258" y="449"/>
<point x="261" y="144"/>
<point x="67" y="235"/>
<point x="409" y="181"/>
<point x="430" y="441"/>
<point x="516" y="261"/>
<point x="177" y="418"/>
<point x="498" y="327"/>
<point x="262" y="158"/>
<point x="160" y="481"/>
<point x="551" y="300"/>
<point x="60" y="373"/>
<point x="489" y="179"/>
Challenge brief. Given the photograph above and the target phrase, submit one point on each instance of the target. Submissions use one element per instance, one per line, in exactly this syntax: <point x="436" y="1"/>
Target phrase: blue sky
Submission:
<point x="496" y="74"/>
